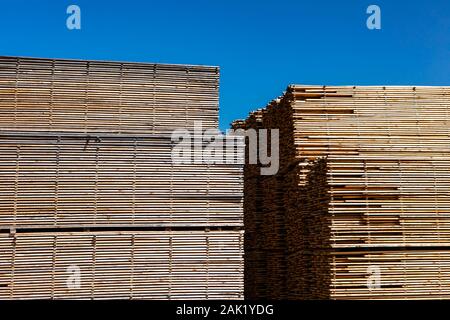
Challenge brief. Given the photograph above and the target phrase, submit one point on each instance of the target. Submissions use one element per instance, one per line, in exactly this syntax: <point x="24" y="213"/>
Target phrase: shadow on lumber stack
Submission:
<point x="365" y="176"/>
<point x="92" y="205"/>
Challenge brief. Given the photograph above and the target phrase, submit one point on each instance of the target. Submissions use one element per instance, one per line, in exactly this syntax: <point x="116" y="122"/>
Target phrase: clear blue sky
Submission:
<point x="261" y="46"/>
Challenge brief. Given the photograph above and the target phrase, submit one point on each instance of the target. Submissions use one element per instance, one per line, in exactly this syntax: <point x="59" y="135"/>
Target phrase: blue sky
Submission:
<point x="261" y="46"/>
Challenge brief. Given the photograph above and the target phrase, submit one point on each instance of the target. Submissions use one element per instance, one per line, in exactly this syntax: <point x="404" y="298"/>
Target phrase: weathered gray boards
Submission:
<point x="91" y="204"/>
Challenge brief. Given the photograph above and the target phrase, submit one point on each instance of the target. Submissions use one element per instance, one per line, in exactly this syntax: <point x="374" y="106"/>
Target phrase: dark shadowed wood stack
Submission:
<point x="365" y="174"/>
<point x="87" y="183"/>
<point x="255" y="272"/>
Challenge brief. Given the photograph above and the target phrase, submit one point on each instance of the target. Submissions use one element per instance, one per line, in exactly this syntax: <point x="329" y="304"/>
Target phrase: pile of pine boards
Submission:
<point x="256" y="273"/>
<point x="66" y="180"/>
<point x="100" y="96"/>
<point x="365" y="176"/>
<point x="122" y="265"/>
<point x="88" y="184"/>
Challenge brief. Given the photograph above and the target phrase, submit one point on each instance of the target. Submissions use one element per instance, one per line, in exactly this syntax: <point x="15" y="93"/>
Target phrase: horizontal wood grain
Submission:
<point x="363" y="182"/>
<point x="103" y="96"/>
<point x="87" y="180"/>
<point x="68" y="181"/>
<point x="122" y="265"/>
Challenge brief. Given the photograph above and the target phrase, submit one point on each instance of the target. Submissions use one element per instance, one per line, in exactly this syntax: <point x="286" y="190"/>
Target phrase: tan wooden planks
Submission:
<point x="87" y="181"/>
<point x="66" y="180"/>
<point x="364" y="173"/>
<point x="122" y="265"/>
<point x="102" y="96"/>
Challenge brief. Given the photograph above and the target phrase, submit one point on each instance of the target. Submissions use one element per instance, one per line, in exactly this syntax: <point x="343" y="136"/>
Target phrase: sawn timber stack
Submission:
<point x="365" y="178"/>
<point x="92" y="204"/>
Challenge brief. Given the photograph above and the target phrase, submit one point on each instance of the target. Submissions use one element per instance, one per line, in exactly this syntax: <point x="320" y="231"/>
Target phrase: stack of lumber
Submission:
<point x="255" y="273"/>
<point x="88" y="183"/>
<point x="67" y="180"/>
<point x="99" y="96"/>
<point x="122" y="265"/>
<point x="365" y="174"/>
<point x="264" y="221"/>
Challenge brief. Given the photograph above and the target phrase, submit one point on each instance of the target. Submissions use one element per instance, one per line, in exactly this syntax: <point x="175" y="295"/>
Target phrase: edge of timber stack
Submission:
<point x="364" y="171"/>
<point x="89" y="189"/>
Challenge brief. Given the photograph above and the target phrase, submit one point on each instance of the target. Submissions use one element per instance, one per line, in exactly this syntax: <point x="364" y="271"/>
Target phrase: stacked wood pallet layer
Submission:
<point x="365" y="174"/>
<point x="67" y="180"/>
<point x="92" y="203"/>
<point x="122" y="265"/>
<point x="100" y="96"/>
